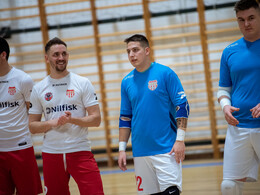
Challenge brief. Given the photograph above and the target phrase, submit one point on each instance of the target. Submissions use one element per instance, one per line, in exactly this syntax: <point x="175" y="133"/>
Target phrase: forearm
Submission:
<point x="181" y="131"/>
<point x="40" y="126"/>
<point x="182" y="123"/>
<point x="124" y="134"/>
<point x="87" y="121"/>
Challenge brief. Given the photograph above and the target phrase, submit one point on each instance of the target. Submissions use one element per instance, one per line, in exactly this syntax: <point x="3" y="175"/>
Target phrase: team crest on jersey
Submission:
<point x="152" y="85"/>
<point x="70" y="93"/>
<point x="11" y="90"/>
<point x="48" y="96"/>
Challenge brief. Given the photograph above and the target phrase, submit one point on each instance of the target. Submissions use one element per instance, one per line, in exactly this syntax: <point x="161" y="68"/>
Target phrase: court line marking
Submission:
<point x="183" y="166"/>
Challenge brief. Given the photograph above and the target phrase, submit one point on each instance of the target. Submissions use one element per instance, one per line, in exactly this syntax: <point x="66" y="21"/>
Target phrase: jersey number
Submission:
<point x="139" y="183"/>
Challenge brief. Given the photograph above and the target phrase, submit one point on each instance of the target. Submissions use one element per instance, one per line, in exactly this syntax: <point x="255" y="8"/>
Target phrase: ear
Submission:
<point x="46" y="58"/>
<point x="3" y="55"/>
<point x="147" y="51"/>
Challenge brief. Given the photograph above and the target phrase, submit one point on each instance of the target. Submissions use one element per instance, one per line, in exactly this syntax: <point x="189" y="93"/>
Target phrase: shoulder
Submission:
<point x="22" y="77"/>
<point x="75" y="78"/>
<point x="235" y="45"/>
<point x="42" y="83"/>
<point x="129" y="76"/>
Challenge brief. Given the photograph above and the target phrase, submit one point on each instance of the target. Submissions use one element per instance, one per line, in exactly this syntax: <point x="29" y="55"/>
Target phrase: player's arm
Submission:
<point x="182" y="113"/>
<point x="27" y="105"/>
<point x="124" y="134"/>
<point x="93" y="119"/>
<point x="38" y="126"/>
<point x="224" y="100"/>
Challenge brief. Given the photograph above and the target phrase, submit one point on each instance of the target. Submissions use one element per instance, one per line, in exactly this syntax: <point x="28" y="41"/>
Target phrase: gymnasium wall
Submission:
<point x="186" y="35"/>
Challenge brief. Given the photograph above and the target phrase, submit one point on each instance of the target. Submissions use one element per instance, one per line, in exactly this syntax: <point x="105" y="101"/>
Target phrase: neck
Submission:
<point x="5" y="68"/>
<point x="59" y="75"/>
<point x="144" y="67"/>
<point x="252" y="39"/>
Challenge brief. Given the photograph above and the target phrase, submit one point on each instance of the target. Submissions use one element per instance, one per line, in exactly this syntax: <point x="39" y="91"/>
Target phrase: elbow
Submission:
<point x="97" y="121"/>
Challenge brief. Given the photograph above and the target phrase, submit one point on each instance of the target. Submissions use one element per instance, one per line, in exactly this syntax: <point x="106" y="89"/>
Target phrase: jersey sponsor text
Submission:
<point x="61" y="108"/>
<point x="9" y="104"/>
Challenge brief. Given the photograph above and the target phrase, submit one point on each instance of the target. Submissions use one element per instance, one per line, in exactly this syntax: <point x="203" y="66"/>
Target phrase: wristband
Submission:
<point x="224" y="101"/>
<point x="180" y="135"/>
<point x="122" y="146"/>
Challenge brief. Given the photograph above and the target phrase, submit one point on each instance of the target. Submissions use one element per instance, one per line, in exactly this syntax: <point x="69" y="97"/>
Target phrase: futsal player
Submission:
<point x="69" y="104"/>
<point x="18" y="167"/>
<point x="154" y="110"/>
<point x="239" y="97"/>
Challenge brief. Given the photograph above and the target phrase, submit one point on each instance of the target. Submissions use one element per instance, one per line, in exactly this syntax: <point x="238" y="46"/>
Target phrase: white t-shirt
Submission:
<point x="15" y="90"/>
<point x="55" y="96"/>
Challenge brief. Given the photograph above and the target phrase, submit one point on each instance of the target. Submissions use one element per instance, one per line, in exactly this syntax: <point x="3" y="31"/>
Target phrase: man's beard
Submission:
<point x="60" y="69"/>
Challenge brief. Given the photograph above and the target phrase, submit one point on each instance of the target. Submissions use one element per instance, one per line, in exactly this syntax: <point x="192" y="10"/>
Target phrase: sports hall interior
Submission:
<point x="186" y="35"/>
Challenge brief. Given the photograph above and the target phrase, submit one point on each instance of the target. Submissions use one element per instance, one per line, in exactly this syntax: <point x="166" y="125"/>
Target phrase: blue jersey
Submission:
<point x="240" y="69"/>
<point x="151" y="98"/>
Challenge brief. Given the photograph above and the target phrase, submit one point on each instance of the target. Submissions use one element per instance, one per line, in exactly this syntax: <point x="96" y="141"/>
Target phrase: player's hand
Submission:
<point x="228" y="110"/>
<point x="122" y="160"/>
<point x="64" y="118"/>
<point x="256" y="111"/>
<point x="179" y="150"/>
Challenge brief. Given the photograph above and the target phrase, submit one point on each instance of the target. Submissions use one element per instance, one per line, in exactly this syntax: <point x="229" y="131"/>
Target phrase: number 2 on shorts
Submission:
<point x="139" y="183"/>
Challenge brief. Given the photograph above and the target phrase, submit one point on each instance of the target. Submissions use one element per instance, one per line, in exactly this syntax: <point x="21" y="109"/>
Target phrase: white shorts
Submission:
<point x="241" y="153"/>
<point x="156" y="173"/>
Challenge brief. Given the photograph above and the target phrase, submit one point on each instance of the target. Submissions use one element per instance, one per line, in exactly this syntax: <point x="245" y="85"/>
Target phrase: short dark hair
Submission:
<point x="54" y="41"/>
<point x="246" y="4"/>
<point x="4" y="46"/>
<point x="138" y="38"/>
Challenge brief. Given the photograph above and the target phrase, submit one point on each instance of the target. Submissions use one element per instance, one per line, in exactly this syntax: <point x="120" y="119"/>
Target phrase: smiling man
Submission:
<point x="239" y="97"/>
<point x="69" y="104"/>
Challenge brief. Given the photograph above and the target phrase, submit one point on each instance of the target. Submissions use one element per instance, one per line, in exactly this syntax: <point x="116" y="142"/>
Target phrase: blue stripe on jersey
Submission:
<point x="240" y="69"/>
<point x="150" y="96"/>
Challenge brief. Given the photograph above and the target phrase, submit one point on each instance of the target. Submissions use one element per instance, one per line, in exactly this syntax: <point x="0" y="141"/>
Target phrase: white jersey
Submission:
<point x="55" y="96"/>
<point x="15" y="90"/>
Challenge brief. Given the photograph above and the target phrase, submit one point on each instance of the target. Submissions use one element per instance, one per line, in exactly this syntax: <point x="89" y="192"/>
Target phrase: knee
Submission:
<point x="231" y="187"/>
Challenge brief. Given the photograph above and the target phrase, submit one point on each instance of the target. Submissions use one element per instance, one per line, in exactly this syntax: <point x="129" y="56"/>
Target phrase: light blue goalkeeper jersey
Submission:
<point x="240" y="69"/>
<point x="151" y="98"/>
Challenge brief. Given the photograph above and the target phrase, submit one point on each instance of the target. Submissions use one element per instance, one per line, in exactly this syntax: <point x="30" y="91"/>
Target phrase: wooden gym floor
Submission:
<point x="200" y="177"/>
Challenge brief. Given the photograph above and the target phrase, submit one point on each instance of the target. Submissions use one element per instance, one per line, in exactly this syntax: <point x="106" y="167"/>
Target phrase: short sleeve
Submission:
<point x="35" y="106"/>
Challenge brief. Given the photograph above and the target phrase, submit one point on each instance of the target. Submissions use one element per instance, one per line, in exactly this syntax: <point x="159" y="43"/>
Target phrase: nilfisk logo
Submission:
<point x="61" y="108"/>
<point x="8" y="104"/>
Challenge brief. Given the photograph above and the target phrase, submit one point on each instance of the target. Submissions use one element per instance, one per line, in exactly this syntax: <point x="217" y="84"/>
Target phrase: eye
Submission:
<point x="56" y="54"/>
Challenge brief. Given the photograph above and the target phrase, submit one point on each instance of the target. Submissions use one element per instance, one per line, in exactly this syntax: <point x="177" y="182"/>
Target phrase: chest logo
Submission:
<point x="70" y="93"/>
<point x="11" y="90"/>
<point x="48" y="96"/>
<point x="152" y="85"/>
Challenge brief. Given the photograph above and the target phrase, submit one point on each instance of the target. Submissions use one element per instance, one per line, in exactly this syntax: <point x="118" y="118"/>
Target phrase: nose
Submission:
<point x="131" y="53"/>
<point x="60" y="57"/>
<point x="247" y="23"/>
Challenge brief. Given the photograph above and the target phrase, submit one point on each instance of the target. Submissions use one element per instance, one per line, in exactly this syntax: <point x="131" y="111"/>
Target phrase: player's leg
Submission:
<point x="6" y="185"/>
<point x="56" y="177"/>
<point x="239" y="160"/>
<point x="168" y="172"/>
<point x="232" y="187"/>
<point x="146" y="179"/>
<point x="83" y="168"/>
<point x="24" y="171"/>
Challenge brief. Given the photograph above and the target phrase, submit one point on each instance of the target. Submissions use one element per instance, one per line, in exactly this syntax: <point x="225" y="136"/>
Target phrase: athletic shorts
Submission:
<point x="19" y="170"/>
<point x="156" y="173"/>
<point x="241" y="153"/>
<point x="57" y="169"/>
